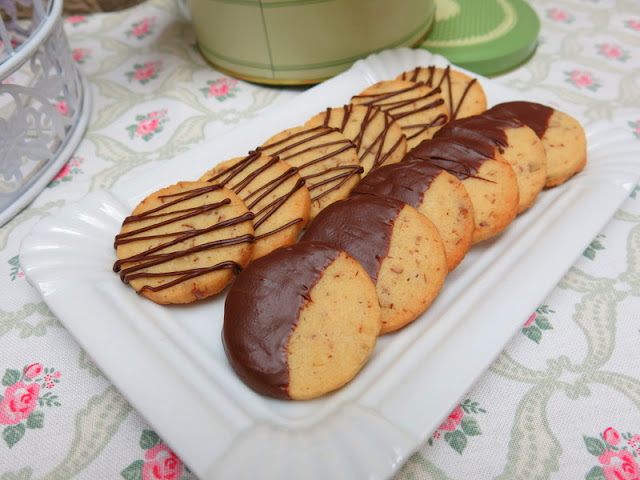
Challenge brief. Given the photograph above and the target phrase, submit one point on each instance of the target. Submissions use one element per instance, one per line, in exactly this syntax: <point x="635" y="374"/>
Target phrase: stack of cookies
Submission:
<point x="342" y="229"/>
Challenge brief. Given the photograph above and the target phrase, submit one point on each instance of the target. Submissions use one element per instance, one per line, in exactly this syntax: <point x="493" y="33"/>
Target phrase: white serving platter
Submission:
<point x="169" y="361"/>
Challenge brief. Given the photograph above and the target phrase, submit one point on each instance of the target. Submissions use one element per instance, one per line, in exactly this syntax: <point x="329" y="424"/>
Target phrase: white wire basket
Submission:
<point x="45" y="102"/>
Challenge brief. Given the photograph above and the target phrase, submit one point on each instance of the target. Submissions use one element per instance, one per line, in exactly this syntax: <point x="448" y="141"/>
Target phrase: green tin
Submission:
<point x="485" y="36"/>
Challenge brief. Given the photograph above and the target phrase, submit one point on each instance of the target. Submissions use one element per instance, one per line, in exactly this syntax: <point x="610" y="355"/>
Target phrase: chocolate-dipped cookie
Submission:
<point x="400" y="249"/>
<point x="435" y="193"/>
<point x="563" y="137"/>
<point x="488" y="179"/>
<point x="301" y="321"/>
<point x="517" y="143"/>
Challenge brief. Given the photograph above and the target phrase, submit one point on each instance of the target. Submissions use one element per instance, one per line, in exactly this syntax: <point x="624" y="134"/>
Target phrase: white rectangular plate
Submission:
<point x="169" y="361"/>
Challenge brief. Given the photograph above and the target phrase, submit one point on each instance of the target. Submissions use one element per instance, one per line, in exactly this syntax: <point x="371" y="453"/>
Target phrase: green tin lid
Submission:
<point x="484" y="36"/>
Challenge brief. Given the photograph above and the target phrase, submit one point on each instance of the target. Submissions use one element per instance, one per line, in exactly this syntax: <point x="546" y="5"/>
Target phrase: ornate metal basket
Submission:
<point x="45" y="102"/>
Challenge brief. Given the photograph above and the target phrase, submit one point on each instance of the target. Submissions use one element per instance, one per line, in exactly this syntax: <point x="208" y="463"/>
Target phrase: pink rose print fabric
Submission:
<point x="159" y="463"/>
<point x="537" y="323"/>
<point x="148" y="125"/>
<point x="459" y="426"/>
<point x="220" y="89"/>
<point x="22" y="402"/>
<point x="143" y="73"/>
<point x="68" y="172"/>
<point x="613" y="52"/>
<point x="618" y="455"/>
<point x="141" y="29"/>
<point x="583" y="79"/>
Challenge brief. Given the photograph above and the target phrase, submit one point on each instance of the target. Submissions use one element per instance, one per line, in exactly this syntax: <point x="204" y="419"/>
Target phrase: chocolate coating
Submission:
<point x="360" y="225"/>
<point x="262" y="310"/>
<point x="480" y="128"/>
<point x="460" y="156"/>
<point x="534" y="115"/>
<point x="405" y="181"/>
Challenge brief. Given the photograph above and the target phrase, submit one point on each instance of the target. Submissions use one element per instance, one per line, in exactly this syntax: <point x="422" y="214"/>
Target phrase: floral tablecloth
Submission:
<point x="561" y="401"/>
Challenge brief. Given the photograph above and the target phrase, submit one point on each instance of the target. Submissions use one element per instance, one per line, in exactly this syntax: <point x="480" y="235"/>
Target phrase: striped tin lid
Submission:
<point x="485" y="36"/>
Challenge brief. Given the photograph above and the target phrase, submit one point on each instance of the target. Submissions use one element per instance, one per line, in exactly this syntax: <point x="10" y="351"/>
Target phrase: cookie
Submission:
<point x="517" y="143"/>
<point x="438" y="195"/>
<point x="301" y="321"/>
<point x="418" y="109"/>
<point x="273" y="191"/>
<point x="488" y="179"/>
<point x="563" y="137"/>
<point x="377" y="136"/>
<point x="463" y="95"/>
<point x="184" y="242"/>
<point x="325" y="159"/>
<point x="400" y="249"/>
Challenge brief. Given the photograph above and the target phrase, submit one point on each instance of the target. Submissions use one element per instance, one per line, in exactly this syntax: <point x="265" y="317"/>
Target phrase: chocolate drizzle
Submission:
<point x="360" y="225"/>
<point x="237" y="178"/>
<point x="427" y="75"/>
<point x="262" y="309"/>
<point x="460" y="157"/>
<point x="377" y="148"/>
<point x="401" y="109"/>
<point x="534" y="115"/>
<point x="165" y="216"/>
<point x="286" y="150"/>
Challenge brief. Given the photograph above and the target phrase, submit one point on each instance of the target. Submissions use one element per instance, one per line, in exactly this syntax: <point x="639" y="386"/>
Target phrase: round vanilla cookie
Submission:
<point x="400" y="249"/>
<point x="438" y="195"/>
<point x="273" y="191"/>
<point x="517" y="143"/>
<point x="418" y="109"/>
<point x="324" y="157"/>
<point x="184" y="242"/>
<point x="487" y="177"/>
<point x="562" y="136"/>
<point x="463" y="95"/>
<point x="301" y="321"/>
<point x="377" y="136"/>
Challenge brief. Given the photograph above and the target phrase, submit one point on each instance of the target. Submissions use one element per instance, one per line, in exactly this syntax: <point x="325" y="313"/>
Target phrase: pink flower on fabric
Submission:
<point x="33" y="370"/>
<point x="453" y="420"/>
<point x="559" y="15"/>
<point x="619" y="465"/>
<point x="581" y="78"/>
<point x="144" y="72"/>
<point x="218" y="89"/>
<point x="62" y="107"/>
<point x="73" y="19"/>
<point x="19" y="401"/>
<point x="634" y="441"/>
<point x="611" y="51"/>
<point x="531" y="319"/>
<point x="141" y="28"/>
<point x="634" y="24"/>
<point x="79" y="54"/>
<point x="611" y="436"/>
<point x="147" y="126"/>
<point x="64" y="171"/>
<point x="160" y="463"/>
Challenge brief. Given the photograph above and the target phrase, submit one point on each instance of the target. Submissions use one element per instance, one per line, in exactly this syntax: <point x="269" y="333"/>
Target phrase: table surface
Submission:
<point x="561" y="401"/>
